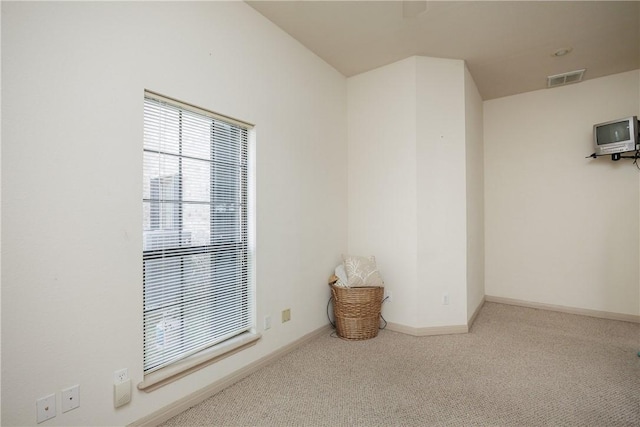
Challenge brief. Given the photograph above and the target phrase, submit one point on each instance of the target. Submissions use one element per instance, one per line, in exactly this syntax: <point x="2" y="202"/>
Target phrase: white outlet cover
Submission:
<point x="46" y="408"/>
<point x="120" y="376"/>
<point x="70" y="398"/>
<point x="122" y="393"/>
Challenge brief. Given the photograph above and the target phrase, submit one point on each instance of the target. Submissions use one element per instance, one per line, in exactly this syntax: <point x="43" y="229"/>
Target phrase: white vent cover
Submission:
<point x="565" y="78"/>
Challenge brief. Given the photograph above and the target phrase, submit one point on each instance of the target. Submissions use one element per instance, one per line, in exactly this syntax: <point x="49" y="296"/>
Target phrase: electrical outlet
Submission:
<point x="445" y="299"/>
<point x="286" y="315"/>
<point x="120" y="376"/>
<point x="70" y="398"/>
<point x="45" y="408"/>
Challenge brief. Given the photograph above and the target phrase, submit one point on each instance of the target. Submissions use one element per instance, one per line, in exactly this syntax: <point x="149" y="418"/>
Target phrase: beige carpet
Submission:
<point x="517" y="367"/>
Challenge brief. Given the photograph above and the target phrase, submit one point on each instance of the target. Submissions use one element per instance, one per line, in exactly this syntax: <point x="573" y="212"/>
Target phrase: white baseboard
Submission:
<point x="475" y="314"/>
<point x="564" y="309"/>
<point x="436" y="330"/>
<point x="173" y="409"/>
<point x="429" y="330"/>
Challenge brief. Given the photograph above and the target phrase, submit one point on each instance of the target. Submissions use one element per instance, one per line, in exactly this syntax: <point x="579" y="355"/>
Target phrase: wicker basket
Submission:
<point x="357" y="311"/>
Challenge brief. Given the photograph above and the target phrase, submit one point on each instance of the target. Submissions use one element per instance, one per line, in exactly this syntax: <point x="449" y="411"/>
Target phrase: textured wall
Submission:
<point x="72" y="94"/>
<point x="561" y="229"/>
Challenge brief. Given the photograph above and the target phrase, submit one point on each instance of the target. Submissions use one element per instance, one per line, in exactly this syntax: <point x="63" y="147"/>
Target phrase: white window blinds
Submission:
<point x="195" y="249"/>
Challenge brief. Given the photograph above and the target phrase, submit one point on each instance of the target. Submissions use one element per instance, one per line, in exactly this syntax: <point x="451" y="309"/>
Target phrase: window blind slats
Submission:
<point x="195" y="246"/>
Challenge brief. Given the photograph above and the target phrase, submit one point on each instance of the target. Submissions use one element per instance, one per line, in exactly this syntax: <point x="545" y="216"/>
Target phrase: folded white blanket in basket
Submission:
<point x="341" y="274"/>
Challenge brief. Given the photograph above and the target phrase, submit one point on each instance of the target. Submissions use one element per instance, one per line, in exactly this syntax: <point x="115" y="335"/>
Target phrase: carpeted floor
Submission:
<point x="517" y="367"/>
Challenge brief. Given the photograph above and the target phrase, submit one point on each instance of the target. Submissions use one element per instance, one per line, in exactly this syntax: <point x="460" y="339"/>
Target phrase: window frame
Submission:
<point x="220" y="348"/>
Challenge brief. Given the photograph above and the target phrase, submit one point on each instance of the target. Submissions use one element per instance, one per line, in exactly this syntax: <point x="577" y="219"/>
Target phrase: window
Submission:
<point x="195" y="221"/>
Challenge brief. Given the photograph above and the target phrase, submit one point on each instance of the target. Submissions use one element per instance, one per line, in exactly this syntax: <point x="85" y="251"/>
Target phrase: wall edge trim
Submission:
<point x="429" y="330"/>
<point x="475" y="313"/>
<point x="565" y="309"/>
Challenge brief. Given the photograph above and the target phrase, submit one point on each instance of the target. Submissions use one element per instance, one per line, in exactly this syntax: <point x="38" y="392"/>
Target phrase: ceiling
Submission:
<point x="508" y="45"/>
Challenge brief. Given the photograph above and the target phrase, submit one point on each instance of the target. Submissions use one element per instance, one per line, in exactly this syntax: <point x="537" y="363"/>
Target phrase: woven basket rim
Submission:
<point x="355" y="287"/>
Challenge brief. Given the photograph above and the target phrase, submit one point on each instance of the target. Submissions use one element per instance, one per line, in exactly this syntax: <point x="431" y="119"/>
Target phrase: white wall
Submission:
<point x="475" y="194"/>
<point x="441" y="192"/>
<point x="407" y="186"/>
<point x="72" y="83"/>
<point x="382" y="179"/>
<point x="561" y="229"/>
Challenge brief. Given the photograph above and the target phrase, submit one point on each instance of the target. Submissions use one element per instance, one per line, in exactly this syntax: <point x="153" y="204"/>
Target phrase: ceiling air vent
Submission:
<point x="565" y="78"/>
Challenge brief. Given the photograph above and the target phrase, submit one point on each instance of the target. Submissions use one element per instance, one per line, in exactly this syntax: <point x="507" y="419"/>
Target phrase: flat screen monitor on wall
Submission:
<point x="616" y="136"/>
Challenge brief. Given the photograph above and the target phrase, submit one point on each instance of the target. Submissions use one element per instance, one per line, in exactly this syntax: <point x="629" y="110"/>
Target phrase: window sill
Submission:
<point x="198" y="361"/>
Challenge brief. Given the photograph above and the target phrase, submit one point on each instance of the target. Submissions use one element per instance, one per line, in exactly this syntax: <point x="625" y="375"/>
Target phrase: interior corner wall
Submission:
<point x="382" y="179"/>
<point x="73" y="76"/>
<point x="407" y="186"/>
<point x="441" y="192"/>
<point x="561" y="229"/>
<point x="474" y="135"/>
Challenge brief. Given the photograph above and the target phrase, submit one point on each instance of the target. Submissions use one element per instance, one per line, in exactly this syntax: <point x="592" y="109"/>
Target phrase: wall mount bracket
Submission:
<point x="615" y="156"/>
